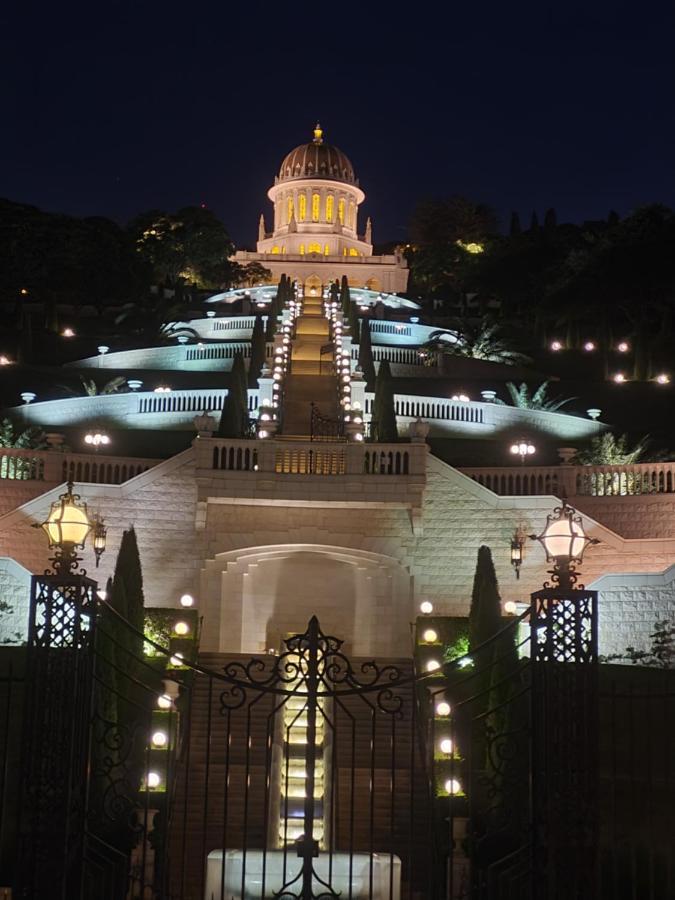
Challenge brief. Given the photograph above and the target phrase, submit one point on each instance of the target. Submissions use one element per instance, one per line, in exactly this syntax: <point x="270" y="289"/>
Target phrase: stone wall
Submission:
<point x="208" y="548"/>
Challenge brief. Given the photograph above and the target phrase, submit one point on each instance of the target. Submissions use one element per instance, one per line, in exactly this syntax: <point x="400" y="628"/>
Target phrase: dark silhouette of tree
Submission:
<point x="366" y="354"/>
<point x="383" y="426"/>
<point x="234" y="416"/>
<point x="258" y="352"/>
<point x="514" y="227"/>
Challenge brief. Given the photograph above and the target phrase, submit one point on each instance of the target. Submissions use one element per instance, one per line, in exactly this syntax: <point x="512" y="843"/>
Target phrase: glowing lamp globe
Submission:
<point x="433" y="665"/>
<point x="426" y="608"/>
<point x="164" y="701"/>
<point x="154" y="780"/>
<point x="181" y="628"/>
<point x="67" y="522"/>
<point x="446" y="745"/>
<point x="452" y="786"/>
<point x="159" y="739"/>
<point x="442" y="708"/>
<point x="430" y="636"/>
<point x="187" y="600"/>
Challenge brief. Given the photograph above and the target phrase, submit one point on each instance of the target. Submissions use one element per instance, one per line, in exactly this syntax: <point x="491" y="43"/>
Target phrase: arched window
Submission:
<point x="325" y="249"/>
<point x="302" y="207"/>
<point x="350" y="221"/>
<point x="290" y="209"/>
<point x="302" y="249"/>
<point x="330" y="211"/>
<point x="275" y="249"/>
<point x="314" y="248"/>
<point x="353" y="252"/>
<point x="316" y="200"/>
<point x="341" y="211"/>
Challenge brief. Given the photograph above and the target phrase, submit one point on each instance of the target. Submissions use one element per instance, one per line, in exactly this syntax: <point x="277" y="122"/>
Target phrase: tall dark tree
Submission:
<point x="486" y="607"/>
<point x="366" y="354"/>
<point x="258" y="352"/>
<point x="550" y="220"/>
<point x="354" y="327"/>
<point x="383" y="424"/>
<point x="234" y="416"/>
<point x="345" y="296"/>
<point x="534" y="223"/>
<point x="514" y="228"/>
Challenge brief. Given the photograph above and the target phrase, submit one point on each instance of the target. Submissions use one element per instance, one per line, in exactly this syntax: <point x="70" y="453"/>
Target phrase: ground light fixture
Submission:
<point x="564" y="540"/>
<point x="590" y="346"/>
<point x="453" y="787"/>
<point x="663" y="378"/>
<point x="67" y="333"/>
<point x="181" y="628"/>
<point x="187" y="600"/>
<point x="426" y="607"/>
<point x="445" y="745"/>
<point x="4" y="360"/>
<point x="510" y="607"/>
<point x="443" y="709"/>
<point x="430" y="636"/>
<point x="623" y="347"/>
<point x="556" y="346"/>
<point x="153" y="780"/>
<point x="433" y="665"/>
<point x="619" y="378"/>
<point x="164" y="701"/>
<point x="159" y="739"/>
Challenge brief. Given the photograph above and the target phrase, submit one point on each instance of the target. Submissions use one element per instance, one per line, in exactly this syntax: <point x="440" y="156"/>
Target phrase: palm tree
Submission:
<point x="522" y="398"/>
<point x="91" y="389"/>
<point x="483" y="341"/>
<point x="608" y="450"/>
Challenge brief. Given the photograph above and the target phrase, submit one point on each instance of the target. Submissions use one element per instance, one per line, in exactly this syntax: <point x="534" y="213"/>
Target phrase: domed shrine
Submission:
<point x="315" y="232"/>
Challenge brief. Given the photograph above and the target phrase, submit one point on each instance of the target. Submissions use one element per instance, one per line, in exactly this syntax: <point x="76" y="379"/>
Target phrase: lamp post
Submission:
<point x="564" y="664"/>
<point x="59" y="684"/>
<point x="523" y="449"/>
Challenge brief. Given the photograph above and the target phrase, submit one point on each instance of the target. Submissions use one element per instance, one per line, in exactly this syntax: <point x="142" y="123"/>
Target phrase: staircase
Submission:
<point x="309" y="380"/>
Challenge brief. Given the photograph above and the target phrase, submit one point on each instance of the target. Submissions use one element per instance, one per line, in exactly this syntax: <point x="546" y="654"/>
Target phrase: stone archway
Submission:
<point x="313" y="286"/>
<point x="256" y="596"/>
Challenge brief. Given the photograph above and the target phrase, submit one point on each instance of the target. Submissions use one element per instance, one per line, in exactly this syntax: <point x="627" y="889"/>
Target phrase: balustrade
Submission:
<point x="57" y="466"/>
<point x="578" y="481"/>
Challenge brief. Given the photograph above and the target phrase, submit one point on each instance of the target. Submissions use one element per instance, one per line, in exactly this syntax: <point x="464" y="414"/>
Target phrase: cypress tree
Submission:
<point x="258" y="350"/>
<point x="534" y="223"/>
<point x="234" y="417"/>
<point x="383" y="424"/>
<point x="354" y="324"/>
<point x="515" y="228"/>
<point x="127" y="584"/>
<point x="345" y="296"/>
<point x="486" y="607"/>
<point x="550" y="220"/>
<point x="366" y="355"/>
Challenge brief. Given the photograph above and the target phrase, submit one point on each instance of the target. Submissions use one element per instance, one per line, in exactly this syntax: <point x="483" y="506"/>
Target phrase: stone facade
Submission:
<point x="260" y="566"/>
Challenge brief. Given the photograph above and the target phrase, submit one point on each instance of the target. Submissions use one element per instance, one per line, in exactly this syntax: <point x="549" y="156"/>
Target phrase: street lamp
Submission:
<point x="97" y="439"/>
<point x="67" y="528"/>
<point x="523" y="449"/>
<point x="564" y="540"/>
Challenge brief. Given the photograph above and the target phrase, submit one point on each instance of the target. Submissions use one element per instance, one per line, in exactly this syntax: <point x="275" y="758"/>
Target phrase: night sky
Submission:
<point x="114" y="108"/>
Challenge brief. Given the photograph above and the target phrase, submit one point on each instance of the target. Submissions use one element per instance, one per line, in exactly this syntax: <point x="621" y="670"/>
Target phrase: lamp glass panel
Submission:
<point x="67" y="524"/>
<point x="564" y="538"/>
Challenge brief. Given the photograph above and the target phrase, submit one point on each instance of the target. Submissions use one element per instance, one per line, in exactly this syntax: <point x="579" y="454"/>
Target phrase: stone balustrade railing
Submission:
<point x="194" y="357"/>
<point x="56" y="466"/>
<point x="139" y="409"/>
<point x="311" y="457"/>
<point x="578" y="481"/>
<point x="409" y="356"/>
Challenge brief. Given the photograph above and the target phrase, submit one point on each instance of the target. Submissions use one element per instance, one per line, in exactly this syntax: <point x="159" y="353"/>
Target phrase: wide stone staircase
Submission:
<point x="312" y="377"/>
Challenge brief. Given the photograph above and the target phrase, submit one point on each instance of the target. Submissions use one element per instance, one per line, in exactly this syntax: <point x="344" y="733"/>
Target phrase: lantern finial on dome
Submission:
<point x="318" y="134"/>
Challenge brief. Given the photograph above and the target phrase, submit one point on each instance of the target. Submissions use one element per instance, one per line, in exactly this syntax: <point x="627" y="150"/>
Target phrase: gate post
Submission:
<point x="56" y="734"/>
<point x="564" y="647"/>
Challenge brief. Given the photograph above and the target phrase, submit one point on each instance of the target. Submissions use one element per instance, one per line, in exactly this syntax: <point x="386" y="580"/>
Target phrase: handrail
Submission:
<point x="577" y="481"/>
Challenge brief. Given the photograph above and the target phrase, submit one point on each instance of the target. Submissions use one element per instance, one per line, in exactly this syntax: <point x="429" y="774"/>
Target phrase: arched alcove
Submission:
<point x="256" y="596"/>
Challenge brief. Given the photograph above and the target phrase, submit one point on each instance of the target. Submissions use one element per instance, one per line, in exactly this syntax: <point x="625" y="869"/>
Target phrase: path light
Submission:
<point x="154" y="780"/>
<point x="510" y="607"/>
<point x="182" y="339"/>
<point x="623" y="347"/>
<point x="619" y="378"/>
<point x="662" y="378"/>
<point x="589" y="346"/>
<point x="103" y="349"/>
<point x="430" y="636"/>
<point x="164" y="701"/>
<point x="445" y="745"/>
<point x="433" y="665"/>
<point x="187" y="600"/>
<point x="593" y="413"/>
<point x="28" y="396"/>
<point x="488" y="396"/>
<point x="4" y="360"/>
<point x="67" y="333"/>
<point x="181" y="628"/>
<point x="426" y="608"/>
<point x="523" y="449"/>
<point x="134" y="383"/>
<point x="443" y="709"/>
<point x="160" y="739"/>
<point x="453" y="787"/>
<point x="564" y="541"/>
<point x="210" y="313"/>
<point x="556" y="345"/>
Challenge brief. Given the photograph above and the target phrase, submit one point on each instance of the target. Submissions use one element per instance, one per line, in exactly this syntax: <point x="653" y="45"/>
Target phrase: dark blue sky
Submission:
<point x="113" y="108"/>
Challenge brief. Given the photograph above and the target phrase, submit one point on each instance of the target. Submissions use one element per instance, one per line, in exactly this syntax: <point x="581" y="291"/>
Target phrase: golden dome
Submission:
<point x="317" y="160"/>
